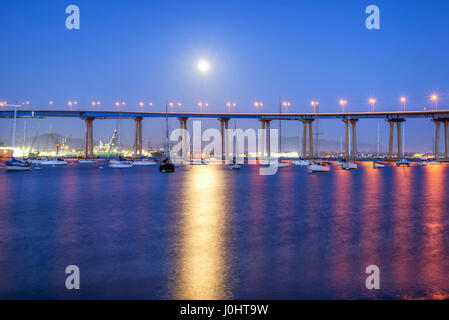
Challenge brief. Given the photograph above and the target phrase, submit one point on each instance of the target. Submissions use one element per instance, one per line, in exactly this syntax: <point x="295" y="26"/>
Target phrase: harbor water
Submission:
<point x="206" y="232"/>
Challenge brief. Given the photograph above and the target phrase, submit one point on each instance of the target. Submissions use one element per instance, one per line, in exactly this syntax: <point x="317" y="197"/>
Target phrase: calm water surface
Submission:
<point x="206" y="232"/>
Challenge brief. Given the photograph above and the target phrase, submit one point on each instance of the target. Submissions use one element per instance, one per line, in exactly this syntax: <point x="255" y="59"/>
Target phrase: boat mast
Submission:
<point x="167" y="147"/>
<point x="403" y="141"/>
<point x="280" y="128"/>
<point x="378" y="139"/>
<point x="14" y="130"/>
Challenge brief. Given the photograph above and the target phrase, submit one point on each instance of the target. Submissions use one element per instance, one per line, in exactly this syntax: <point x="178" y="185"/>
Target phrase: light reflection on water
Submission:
<point x="206" y="232"/>
<point x="202" y="242"/>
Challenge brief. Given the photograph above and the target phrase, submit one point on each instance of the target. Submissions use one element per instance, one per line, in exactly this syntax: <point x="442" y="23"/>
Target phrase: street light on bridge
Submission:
<point x="372" y="102"/>
<point x="434" y="99"/>
<point x="201" y="105"/>
<point x="286" y="104"/>
<point x="315" y="105"/>
<point x="343" y="103"/>
<point x="258" y="105"/>
<point x="229" y="105"/>
<point x="403" y="101"/>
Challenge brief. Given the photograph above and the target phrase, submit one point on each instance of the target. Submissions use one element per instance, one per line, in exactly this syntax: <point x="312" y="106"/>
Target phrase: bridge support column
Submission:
<point x="346" y="122"/>
<point x="437" y="137"/>
<point x="137" y="137"/>
<point x="224" y="123"/>
<point x="310" y="122"/>
<point x="88" y="138"/>
<point x="304" y="138"/>
<point x="399" y="137"/>
<point x="446" y="137"/>
<point x="263" y="140"/>
<point x="354" y="138"/>
<point x="390" y="142"/>
<point x="267" y="126"/>
<point x="398" y="123"/>
<point x="184" y="142"/>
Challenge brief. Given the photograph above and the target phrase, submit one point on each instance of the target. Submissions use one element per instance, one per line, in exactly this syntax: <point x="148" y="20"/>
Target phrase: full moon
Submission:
<point x="203" y="66"/>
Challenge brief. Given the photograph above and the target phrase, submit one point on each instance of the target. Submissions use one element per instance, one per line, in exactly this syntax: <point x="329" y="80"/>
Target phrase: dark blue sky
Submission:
<point x="259" y="50"/>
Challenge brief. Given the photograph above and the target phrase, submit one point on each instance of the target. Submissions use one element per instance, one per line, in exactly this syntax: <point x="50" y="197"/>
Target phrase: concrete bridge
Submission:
<point x="350" y="120"/>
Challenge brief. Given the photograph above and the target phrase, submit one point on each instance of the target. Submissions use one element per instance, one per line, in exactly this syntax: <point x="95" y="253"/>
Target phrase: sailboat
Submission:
<point x="234" y="165"/>
<point x="378" y="164"/>
<point x="121" y="163"/>
<point x="348" y="164"/>
<point x="15" y="164"/>
<point x="166" y="164"/>
<point x="403" y="162"/>
<point x="280" y="163"/>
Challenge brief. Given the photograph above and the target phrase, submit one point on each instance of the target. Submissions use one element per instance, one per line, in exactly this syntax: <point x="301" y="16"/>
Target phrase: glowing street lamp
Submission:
<point x="117" y="104"/>
<point x="150" y="104"/>
<point x="372" y="102"/>
<point x="343" y="103"/>
<point x="201" y="105"/>
<point x="403" y="101"/>
<point x="179" y="104"/>
<point x="258" y="105"/>
<point x="229" y="105"/>
<point x="141" y="104"/>
<point x="286" y="104"/>
<point x="93" y="104"/>
<point x="70" y="103"/>
<point x="434" y="99"/>
<point x="315" y="105"/>
<point x="51" y="102"/>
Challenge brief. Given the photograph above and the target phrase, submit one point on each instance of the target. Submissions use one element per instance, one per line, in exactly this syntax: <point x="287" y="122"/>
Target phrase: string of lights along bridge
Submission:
<point x="350" y="120"/>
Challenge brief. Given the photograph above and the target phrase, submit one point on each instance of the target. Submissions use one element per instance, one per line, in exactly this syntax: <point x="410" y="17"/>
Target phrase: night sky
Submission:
<point x="259" y="50"/>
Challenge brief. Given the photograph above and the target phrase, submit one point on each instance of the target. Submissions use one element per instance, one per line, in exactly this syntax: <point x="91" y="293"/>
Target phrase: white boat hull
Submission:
<point x="302" y="163"/>
<point x="144" y="163"/>
<point x="53" y="163"/>
<point x="17" y="168"/>
<point x="318" y="168"/>
<point x="349" y="165"/>
<point x="234" y="167"/>
<point x="87" y="161"/>
<point x="120" y="165"/>
<point x="198" y="163"/>
<point x="378" y="165"/>
<point x="283" y="164"/>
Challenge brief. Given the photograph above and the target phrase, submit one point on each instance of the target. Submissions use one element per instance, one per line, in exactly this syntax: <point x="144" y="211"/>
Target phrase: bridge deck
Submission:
<point x="435" y="114"/>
